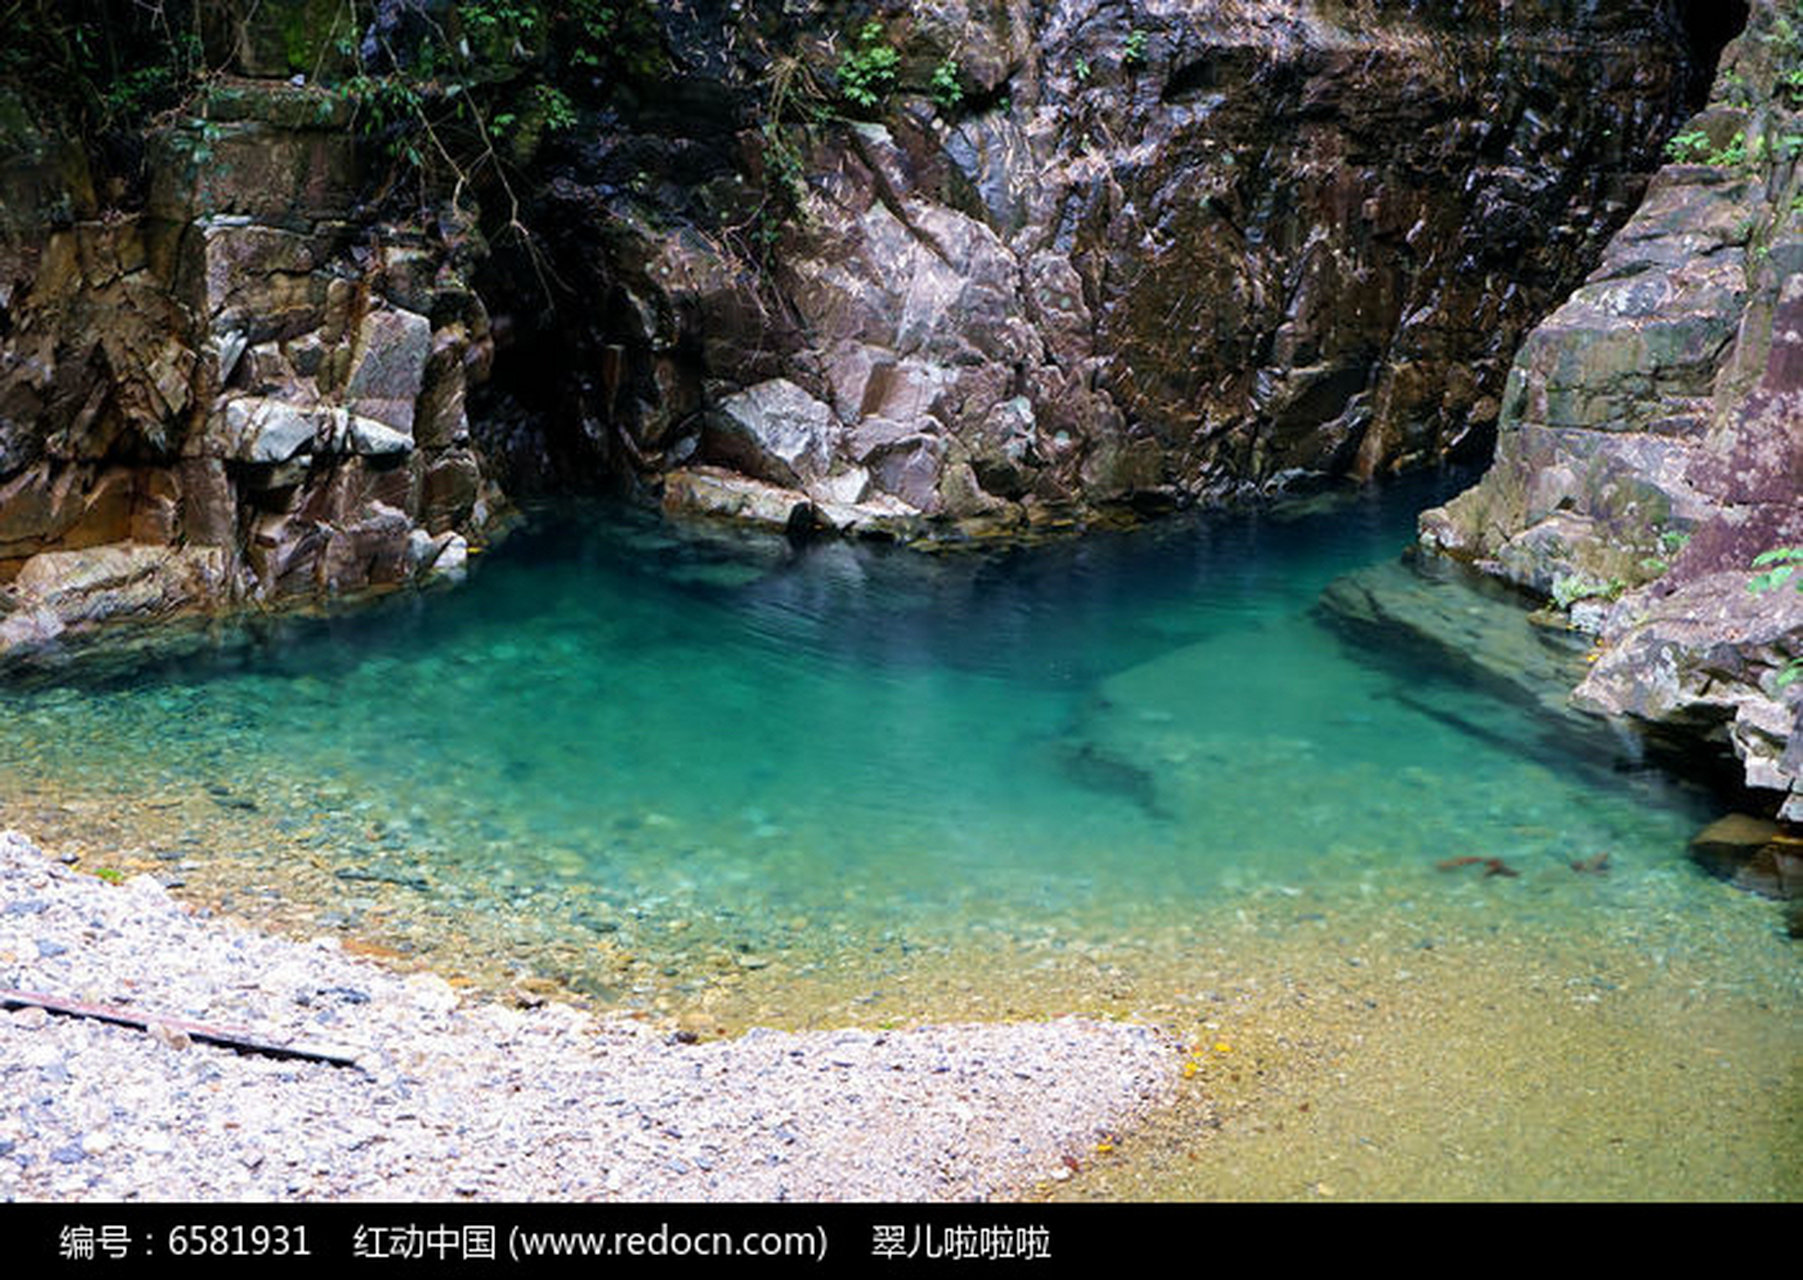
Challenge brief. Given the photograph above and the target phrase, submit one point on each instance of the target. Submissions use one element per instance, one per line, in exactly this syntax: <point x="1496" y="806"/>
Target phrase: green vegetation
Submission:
<point x="1780" y="566"/>
<point x="453" y="95"/>
<point x="1694" y="147"/>
<point x="868" y="72"/>
<point x="105" y="65"/>
<point x="790" y="92"/>
<point x="945" y="87"/>
<point x="1784" y="37"/>
<point x="1692" y="144"/>
<point x="1133" y="53"/>
<point x="1790" y="86"/>
<point x="495" y="74"/>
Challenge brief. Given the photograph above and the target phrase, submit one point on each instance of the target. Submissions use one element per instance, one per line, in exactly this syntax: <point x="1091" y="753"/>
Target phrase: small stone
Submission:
<point x="47" y="949"/>
<point x="29" y="1018"/>
<point x="170" y="1037"/>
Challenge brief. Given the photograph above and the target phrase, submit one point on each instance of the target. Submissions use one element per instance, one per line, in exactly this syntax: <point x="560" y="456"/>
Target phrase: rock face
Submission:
<point x="1077" y="255"/>
<point x="241" y="394"/>
<point x="962" y="267"/>
<point x="1652" y="436"/>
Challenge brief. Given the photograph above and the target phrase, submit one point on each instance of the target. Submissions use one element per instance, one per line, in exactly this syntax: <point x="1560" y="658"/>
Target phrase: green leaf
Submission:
<point x="1769" y="581"/>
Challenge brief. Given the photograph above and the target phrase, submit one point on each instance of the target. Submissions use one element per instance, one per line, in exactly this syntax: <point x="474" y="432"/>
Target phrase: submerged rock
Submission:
<point x="1753" y="853"/>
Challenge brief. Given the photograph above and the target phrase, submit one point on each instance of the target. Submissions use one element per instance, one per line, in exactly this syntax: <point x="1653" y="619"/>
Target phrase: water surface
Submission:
<point x="736" y="781"/>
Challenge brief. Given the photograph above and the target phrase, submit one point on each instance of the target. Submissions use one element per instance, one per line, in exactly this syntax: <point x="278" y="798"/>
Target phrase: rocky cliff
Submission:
<point x="1651" y="440"/>
<point x="241" y="389"/>
<point x="961" y="267"/>
<point x="1000" y="266"/>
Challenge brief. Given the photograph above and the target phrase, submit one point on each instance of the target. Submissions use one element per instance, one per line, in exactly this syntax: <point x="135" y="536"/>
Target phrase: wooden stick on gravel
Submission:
<point x="225" y="1037"/>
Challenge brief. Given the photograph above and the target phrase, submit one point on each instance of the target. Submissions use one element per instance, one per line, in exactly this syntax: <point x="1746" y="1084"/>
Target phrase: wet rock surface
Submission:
<point x="1651" y="440"/>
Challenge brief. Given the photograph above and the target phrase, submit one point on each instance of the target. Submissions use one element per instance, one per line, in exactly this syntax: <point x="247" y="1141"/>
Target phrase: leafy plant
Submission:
<point x="1082" y="70"/>
<point x="1693" y="147"/>
<point x="1692" y="144"/>
<point x="100" y="65"/>
<point x="1784" y="37"/>
<point x="1133" y="53"/>
<point x="867" y="73"/>
<point x="1780" y="565"/>
<point x="789" y="91"/>
<point x="1790" y="84"/>
<point x="1568" y="589"/>
<point x="555" y="106"/>
<point x="1783" y="562"/>
<point x="945" y="87"/>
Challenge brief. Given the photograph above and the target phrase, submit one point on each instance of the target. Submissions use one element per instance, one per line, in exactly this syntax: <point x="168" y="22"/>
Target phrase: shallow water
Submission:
<point x="738" y="781"/>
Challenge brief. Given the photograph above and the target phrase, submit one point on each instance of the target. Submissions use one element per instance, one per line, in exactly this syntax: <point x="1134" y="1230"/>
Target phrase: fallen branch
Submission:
<point x="222" y="1036"/>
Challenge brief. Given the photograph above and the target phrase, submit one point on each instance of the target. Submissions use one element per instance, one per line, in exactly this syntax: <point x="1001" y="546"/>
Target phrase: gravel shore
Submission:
<point x="453" y="1099"/>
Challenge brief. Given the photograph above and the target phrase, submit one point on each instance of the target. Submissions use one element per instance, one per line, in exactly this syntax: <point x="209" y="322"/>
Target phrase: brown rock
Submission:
<point x="1755" y="854"/>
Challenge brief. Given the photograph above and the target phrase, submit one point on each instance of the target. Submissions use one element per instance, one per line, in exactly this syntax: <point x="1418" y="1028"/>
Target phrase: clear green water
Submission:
<point x="647" y="726"/>
<point x="663" y="766"/>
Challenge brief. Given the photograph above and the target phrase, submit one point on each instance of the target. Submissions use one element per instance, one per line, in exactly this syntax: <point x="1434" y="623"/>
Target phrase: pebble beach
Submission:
<point x="449" y="1097"/>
